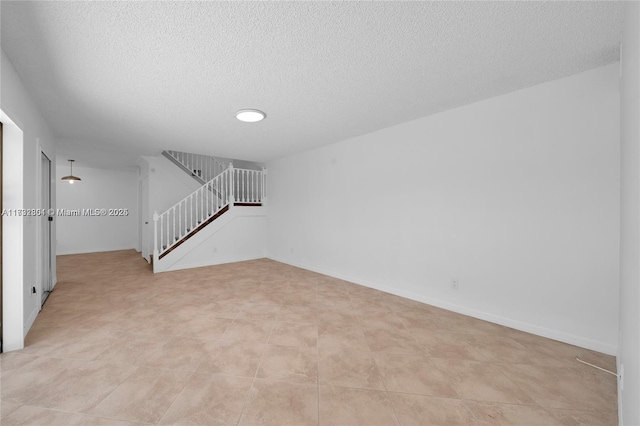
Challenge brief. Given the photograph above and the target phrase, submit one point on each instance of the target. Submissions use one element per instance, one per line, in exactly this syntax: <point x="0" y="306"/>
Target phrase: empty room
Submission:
<point x="320" y="213"/>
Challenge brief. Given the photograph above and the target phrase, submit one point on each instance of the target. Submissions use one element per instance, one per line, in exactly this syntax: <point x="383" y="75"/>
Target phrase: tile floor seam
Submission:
<point x="500" y="372"/>
<point x="387" y="392"/>
<point x="84" y="414"/>
<point x="175" y="398"/>
<point x="37" y="395"/>
<point x="504" y="374"/>
<point x="386" y="388"/>
<point x="264" y="351"/>
<point x="469" y="410"/>
<point x="318" y="372"/>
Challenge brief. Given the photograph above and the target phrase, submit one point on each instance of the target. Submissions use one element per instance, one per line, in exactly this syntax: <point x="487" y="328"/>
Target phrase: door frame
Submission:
<point x="39" y="228"/>
<point x="144" y="223"/>
<point x="1" y="318"/>
<point x="12" y="233"/>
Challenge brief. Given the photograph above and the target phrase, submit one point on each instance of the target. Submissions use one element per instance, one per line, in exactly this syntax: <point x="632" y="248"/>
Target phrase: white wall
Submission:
<point x="167" y="184"/>
<point x="18" y="105"/>
<point x="238" y="234"/>
<point x="12" y="236"/>
<point x="99" y="189"/>
<point x="629" y="350"/>
<point x="517" y="197"/>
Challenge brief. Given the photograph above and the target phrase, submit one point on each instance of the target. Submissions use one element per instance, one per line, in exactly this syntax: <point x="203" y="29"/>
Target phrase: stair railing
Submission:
<point x="248" y="186"/>
<point x="232" y="186"/>
<point x="205" y="167"/>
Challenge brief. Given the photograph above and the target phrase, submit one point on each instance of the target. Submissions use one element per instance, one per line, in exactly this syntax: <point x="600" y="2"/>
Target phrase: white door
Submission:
<point x="146" y="224"/>
<point x="45" y="227"/>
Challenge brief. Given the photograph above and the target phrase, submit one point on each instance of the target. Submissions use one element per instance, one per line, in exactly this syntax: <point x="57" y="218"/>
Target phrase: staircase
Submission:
<point x="229" y="188"/>
<point x="202" y="168"/>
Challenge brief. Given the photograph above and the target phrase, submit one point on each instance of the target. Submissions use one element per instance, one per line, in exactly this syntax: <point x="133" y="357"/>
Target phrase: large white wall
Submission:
<point x="517" y="197"/>
<point x="629" y="351"/>
<point x="99" y="189"/>
<point x="18" y="105"/>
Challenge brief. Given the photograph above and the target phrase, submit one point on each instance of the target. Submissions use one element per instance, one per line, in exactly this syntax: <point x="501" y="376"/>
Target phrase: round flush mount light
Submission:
<point x="250" y="115"/>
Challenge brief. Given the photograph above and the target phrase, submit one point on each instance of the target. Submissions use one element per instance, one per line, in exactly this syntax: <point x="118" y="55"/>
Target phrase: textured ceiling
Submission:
<point x="123" y="79"/>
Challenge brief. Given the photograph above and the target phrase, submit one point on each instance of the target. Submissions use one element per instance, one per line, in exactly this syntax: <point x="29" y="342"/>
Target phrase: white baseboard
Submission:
<point x="215" y="262"/>
<point x="558" y="335"/>
<point x="92" y="250"/>
<point x="31" y="319"/>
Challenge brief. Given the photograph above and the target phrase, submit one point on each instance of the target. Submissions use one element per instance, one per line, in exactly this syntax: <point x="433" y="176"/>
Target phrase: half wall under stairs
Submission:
<point x="235" y="235"/>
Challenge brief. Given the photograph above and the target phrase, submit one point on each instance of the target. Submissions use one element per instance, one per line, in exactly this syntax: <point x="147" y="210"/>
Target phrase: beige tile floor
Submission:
<point x="261" y="342"/>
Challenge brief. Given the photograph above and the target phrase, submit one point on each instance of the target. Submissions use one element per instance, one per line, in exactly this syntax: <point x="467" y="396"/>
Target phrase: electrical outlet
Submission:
<point x="215" y="249"/>
<point x="454" y="283"/>
<point x="291" y="249"/>
<point x="621" y="375"/>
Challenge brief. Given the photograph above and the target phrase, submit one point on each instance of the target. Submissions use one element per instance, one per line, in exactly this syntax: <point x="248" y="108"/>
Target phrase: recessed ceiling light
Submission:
<point x="250" y="115"/>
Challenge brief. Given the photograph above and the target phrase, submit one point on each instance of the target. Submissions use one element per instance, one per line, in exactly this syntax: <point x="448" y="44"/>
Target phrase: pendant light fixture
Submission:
<point x="71" y="178"/>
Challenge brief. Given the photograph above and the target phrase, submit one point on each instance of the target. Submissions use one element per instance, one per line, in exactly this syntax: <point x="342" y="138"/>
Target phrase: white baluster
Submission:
<point x="180" y="226"/>
<point x="263" y="193"/>
<point x="254" y="185"/>
<point x="155" y="235"/>
<point x="232" y="197"/>
<point x="161" y="232"/>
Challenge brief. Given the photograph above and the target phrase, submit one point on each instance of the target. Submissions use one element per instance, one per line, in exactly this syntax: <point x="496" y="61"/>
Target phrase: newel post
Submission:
<point x="264" y="186"/>
<point x="155" y="236"/>
<point x="232" y="188"/>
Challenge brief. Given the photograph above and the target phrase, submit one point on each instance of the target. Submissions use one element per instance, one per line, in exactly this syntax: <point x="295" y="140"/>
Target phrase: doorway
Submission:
<point x="0" y="238"/>
<point x="46" y="220"/>
<point x="144" y="219"/>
